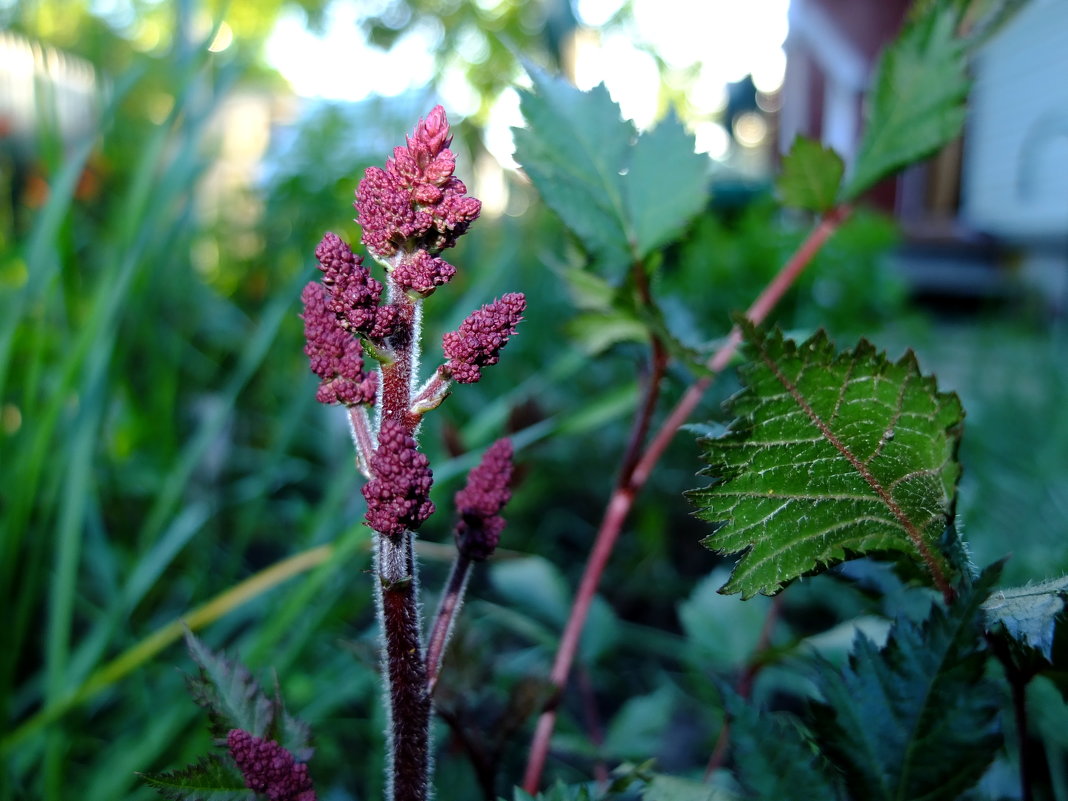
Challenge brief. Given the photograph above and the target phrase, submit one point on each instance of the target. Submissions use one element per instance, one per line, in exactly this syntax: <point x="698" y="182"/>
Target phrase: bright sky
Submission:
<point x="722" y="40"/>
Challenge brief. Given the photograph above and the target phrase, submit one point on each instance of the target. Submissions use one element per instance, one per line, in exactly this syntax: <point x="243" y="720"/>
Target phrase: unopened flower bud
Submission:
<point x="416" y="200"/>
<point x="354" y="294"/>
<point x="398" y="495"/>
<point x="479" y="503"/>
<point x="269" y="768"/>
<point x="422" y="273"/>
<point x="335" y="354"/>
<point x="478" y="341"/>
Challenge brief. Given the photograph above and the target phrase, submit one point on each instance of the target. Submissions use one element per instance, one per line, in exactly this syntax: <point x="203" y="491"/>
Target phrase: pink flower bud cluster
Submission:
<point x="480" y="502"/>
<point x="478" y="341"/>
<point x="354" y="294"/>
<point x="269" y="768"/>
<point x="336" y="356"/>
<point x="416" y="204"/>
<point x="423" y="273"/>
<point x="398" y="497"/>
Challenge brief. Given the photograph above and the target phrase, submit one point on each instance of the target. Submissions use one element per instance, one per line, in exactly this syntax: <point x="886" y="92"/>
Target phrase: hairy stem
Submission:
<point x="622" y="499"/>
<point x="409" y="703"/>
<point x="451" y="601"/>
<point x="408" y="766"/>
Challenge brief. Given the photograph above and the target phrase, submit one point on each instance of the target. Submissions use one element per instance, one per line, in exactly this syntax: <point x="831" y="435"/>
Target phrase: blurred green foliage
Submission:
<point x="160" y="442"/>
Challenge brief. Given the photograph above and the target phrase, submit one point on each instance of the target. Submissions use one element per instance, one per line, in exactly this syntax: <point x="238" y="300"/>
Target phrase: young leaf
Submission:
<point x="833" y="456"/>
<point x="811" y="175"/>
<point x="918" y="104"/>
<point x="663" y="787"/>
<point x="666" y="184"/>
<point x="208" y="779"/>
<point x="916" y="719"/>
<point x="772" y="759"/>
<point x="1029" y="614"/>
<point x="229" y="693"/>
<point x="558" y="792"/>
<point x="622" y="195"/>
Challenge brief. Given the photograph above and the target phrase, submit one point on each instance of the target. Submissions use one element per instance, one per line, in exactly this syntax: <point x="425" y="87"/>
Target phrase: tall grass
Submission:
<point x="122" y="375"/>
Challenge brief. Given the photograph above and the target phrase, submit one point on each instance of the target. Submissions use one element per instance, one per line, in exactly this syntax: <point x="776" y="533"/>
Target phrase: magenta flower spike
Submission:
<point x="336" y="356"/>
<point x="479" y="503"/>
<point x="398" y="497"/>
<point x="478" y="341"/>
<point x="269" y="768"/>
<point x="416" y="203"/>
<point x="409" y="211"/>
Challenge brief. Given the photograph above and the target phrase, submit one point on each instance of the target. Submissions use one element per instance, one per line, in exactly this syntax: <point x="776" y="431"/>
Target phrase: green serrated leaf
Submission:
<point x="622" y="195"/>
<point x="811" y="175"/>
<point x="572" y="149"/>
<point x="918" y="104"/>
<point x="915" y="719"/>
<point x="773" y="758"/>
<point x="208" y="779"/>
<point x="832" y="456"/>
<point x="1029" y="614"/>
<point x="665" y="186"/>
<point x="229" y="693"/>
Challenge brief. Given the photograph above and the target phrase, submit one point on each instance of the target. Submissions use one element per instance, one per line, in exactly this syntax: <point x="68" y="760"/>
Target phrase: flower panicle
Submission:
<point x="477" y="343"/>
<point x="478" y="505"/>
<point x="269" y="768"/>
<point x="398" y="495"/>
<point x="416" y="203"/>
<point x="336" y="356"/>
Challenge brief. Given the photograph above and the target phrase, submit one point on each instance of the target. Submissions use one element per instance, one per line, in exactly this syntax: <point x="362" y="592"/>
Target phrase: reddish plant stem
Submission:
<point x="395" y="395"/>
<point x="658" y="364"/>
<point x="628" y="486"/>
<point x="408" y="769"/>
<point x="450" y="606"/>
<point x="409" y="703"/>
<point x="360" y="426"/>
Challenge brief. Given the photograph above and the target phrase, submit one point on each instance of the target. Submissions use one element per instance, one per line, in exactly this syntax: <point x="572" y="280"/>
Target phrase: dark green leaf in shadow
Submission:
<point x="773" y="757"/>
<point x="914" y="719"/>
<point x="208" y="779"/>
<point x="1029" y="615"/>
<point x="229" y="693"/>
